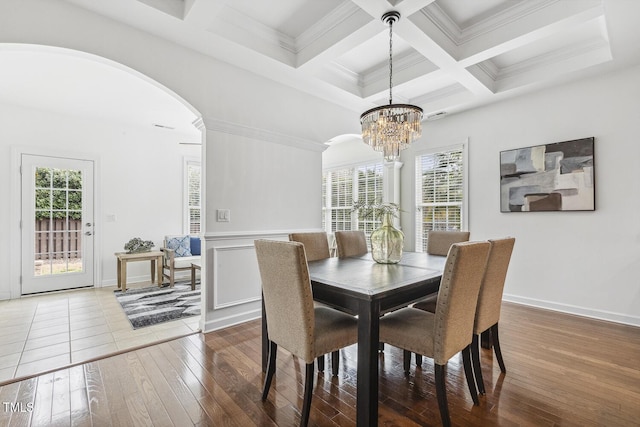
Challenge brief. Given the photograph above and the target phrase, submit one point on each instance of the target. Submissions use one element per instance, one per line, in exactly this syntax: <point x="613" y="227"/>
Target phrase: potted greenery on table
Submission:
<point x="386" y="241"/>
<point x="137" y="245"/>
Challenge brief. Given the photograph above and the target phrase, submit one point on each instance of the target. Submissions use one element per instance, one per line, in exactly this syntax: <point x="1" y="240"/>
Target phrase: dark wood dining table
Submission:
<point x="360" y="286"/>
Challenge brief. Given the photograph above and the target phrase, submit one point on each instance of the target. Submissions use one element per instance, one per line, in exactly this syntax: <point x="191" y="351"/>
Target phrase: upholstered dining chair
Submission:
<point x="316" y="244"/>
<point x="316" y="247"/>
<point x="439" y="242"/>
<point x="293" y="322"/>
<point x="489" y="304"/>
<point x="351" y="243"/>
<point x="449" y="330"/>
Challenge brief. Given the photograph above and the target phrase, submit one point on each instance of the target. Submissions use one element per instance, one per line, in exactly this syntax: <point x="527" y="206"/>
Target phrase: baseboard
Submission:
<point x="5" y="295"/>
<point x="222" y="322"/>
<point x="573" y="309"/>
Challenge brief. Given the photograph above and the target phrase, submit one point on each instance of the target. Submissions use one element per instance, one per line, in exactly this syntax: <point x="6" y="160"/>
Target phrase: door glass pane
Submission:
<point x="58" y="203"/>
<point x="43" y="200"/>
<point x="42" y="267"/>
<point x="75" y="200"/>
<point x="59" y="178"/>
<point x="43" y="178"/>
<point x="75" y="180"/>
<point x="74" y="262"/>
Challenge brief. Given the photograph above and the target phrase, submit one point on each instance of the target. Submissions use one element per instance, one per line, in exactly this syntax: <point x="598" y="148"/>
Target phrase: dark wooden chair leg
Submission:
<point x="441" y="393"/>
<point x="321" y="363"/>
<point x="271" y="369"/>
<point x="335" y="362"/>
<point x="418" y="359"/>
<point x="475" y="360"/>
<point x="468" y="373"/>
<point x="406" y="361"/>
<point x="308" y="392"/>
<point x="496" y="347"/>
<point x="485" y="339"/>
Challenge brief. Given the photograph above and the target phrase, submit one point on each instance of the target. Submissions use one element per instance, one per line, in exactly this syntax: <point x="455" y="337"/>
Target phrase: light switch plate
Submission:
<point x="224" y="215"/>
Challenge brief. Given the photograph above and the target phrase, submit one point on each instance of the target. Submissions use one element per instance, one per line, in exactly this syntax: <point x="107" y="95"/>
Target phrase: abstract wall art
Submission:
<point x="550" y="177"/>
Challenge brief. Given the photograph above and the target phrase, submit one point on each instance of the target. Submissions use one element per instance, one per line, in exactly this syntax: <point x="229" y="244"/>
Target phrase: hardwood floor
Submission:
<point x="561" y="370"/>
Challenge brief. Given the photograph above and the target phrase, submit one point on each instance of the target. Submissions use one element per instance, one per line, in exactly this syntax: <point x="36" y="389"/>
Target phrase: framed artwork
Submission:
<point x="550" y="177"/>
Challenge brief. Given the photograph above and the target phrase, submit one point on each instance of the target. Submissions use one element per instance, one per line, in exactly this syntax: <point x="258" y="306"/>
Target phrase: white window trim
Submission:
<point x="464" y="212"/>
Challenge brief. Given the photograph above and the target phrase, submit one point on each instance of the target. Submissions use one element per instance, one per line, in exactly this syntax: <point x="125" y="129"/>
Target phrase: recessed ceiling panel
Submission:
<point x="373" y="54"/>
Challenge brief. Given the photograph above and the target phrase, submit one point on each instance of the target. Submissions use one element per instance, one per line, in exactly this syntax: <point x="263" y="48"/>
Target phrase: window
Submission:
<point x="440" y="192"/>
<point x="341" y="187"/>
<point x="192" y="192"/>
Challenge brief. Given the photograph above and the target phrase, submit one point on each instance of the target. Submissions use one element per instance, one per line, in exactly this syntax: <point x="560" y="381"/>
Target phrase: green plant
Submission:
<point x="375" y="209"/>
<point x="138" y="245"/>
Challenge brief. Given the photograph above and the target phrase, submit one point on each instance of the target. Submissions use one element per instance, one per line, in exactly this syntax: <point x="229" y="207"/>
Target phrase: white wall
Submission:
<point x="585" y="263"/>
<point x="140" y="180"/>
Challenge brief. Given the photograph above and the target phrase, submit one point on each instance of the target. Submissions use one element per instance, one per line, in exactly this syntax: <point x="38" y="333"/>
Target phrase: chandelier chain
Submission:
<point x="390" y="61"/>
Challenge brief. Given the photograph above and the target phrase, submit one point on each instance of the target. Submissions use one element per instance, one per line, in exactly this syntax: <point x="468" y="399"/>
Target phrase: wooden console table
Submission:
<point x="123" y="258"/>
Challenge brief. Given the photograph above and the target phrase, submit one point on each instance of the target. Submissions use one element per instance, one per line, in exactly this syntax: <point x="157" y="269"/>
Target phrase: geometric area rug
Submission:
<point x="153" y="305"/>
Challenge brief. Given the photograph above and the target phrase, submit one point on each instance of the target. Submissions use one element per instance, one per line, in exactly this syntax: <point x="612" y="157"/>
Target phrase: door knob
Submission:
<point x="88" y="233"/>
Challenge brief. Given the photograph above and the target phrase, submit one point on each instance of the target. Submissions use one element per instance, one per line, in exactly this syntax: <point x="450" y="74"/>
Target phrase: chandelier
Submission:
<point x="391" y="128"/>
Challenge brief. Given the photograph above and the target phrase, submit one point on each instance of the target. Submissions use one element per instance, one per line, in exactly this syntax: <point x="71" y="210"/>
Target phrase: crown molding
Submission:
<point x="554" y="57"/>
<point x="222" y="126"/>
<point x="326" y="25"/>
<point x="460" y="36"/>
<point x="258" y="31"/>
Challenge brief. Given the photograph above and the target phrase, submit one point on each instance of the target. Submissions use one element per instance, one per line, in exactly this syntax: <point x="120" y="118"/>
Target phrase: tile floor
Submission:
<point x="44" y="332"/>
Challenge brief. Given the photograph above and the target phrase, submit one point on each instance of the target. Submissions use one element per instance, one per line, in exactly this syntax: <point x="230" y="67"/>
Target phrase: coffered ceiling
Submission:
<point x="449" y="55"/>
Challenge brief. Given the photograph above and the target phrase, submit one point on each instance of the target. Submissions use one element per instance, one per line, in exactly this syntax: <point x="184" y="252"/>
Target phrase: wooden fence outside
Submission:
<point x="66" y="242"/>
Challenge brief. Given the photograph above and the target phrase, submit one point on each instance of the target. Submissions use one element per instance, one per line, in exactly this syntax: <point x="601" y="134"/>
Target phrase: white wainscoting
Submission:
<point x="233" y="291"/>
<point x="235" y="265"/>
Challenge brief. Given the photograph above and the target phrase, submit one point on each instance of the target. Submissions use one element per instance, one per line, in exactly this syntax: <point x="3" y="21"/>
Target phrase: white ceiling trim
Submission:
<point x="237" y="129"/>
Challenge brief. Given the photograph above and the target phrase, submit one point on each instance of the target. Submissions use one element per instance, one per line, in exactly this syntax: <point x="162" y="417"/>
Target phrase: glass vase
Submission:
<point x="387" y="242"/>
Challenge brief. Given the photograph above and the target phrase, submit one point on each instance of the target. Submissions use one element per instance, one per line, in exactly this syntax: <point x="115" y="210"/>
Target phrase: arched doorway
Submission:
<point x="118" y="119"/>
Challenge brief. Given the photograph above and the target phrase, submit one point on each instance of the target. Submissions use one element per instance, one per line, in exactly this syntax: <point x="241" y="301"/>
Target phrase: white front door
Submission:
<point x="57" y="223"/>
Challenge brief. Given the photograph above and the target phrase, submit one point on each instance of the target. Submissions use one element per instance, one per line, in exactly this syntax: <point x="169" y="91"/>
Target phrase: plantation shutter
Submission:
<point x="339" y="190"/>
<point x="341" y="199"/>
<point x="193" y="197"/>
<point x="440" y="178"/>
<point x="369" y="190"/>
